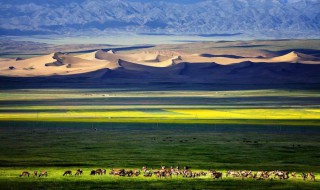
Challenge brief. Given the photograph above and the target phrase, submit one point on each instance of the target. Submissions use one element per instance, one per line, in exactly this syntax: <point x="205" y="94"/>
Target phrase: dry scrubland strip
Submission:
<point x="311" y="114"/>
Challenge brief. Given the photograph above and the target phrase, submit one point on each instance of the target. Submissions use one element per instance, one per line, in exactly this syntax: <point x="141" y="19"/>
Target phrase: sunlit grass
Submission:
<point x="280" y="114"/>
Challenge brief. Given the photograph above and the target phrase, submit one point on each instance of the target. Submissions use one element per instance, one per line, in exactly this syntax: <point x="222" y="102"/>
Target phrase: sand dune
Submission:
<point x="155" y="61"/>
<point x="296" y="57"/>
<point x="142" y="58"/>
<point x="88" y="56"/>
<point x="53" y="64"/>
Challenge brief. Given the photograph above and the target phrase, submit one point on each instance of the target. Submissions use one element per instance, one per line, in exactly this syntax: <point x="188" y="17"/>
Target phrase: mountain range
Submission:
<point x="275" y="18"/>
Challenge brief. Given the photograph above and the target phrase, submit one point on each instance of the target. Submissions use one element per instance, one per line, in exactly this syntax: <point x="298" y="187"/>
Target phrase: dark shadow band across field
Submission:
<point x="155" y="184"/>
<point x="202" y="146"/>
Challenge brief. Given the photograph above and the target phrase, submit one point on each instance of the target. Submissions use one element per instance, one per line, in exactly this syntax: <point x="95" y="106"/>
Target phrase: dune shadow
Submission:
<point x="224" y="55"/>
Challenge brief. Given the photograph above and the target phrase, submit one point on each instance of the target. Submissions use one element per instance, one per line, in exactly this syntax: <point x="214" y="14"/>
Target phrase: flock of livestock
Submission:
<point x="185" y="172"/>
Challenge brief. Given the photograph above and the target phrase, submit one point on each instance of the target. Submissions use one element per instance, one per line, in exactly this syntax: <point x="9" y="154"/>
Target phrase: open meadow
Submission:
<point x="68" y="129"/>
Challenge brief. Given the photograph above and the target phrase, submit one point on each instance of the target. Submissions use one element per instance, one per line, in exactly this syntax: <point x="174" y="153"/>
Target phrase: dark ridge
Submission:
<point x="313" y="52"/>
<point x="219" y="35"/>
<point x="157" y="34"/>
<point x="115" y="49"/>
<point x="223" y="41"/>
<point x="16" y="32"/>
<point x="228" y="56"/>
<point x="243" y="46"/>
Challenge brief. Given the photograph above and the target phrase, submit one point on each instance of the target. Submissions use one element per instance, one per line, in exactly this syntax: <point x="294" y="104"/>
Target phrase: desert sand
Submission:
<point x="233" y="63"/>
<point x="65" y="64"/>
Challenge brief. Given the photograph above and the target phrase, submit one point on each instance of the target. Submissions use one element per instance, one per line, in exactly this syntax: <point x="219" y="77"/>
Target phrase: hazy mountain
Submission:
<point x="267" y="17"/>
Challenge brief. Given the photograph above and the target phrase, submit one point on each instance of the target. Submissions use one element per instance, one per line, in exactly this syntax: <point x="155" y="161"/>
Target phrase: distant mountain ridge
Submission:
<point x="266" y="17"/>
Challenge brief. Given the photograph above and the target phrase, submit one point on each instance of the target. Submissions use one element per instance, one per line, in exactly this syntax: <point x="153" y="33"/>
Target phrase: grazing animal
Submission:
<point x="187" y="173"/>
<point x="312" y="176"/>
<point x="35" y="173"/>
<point x="144" y="169"/>
<point x="148" y="173"/>
<point x="304" y="176"/>
<point x="168" y="173"/>
<point x="136" y="172"/>
<point x="203" y="173"/>
<point x="93" y="172"/>
<point x="129" y="173"/>
<point x="233" y="173"/>
<point x="78" y="172"/>
<point x="217" y="175"/>
<point x="119" y="172"/>
<point x="245" y="174"/>
<point x="282" y="174"/>
<point x="99" y="172"/>
<point x="260" y="175"/>
<point x="24" y="173"/>
<point x="68" y="172"/>
<point x="43" y="173"/>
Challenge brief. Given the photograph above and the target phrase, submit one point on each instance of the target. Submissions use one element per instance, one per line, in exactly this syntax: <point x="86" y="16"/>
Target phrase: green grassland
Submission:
<point x="89" y="129"/>
<point x="58" y="146"/>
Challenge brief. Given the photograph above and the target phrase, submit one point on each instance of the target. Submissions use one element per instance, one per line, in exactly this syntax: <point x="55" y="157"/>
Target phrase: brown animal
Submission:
<point x="43" y="173"/>
<point x="99" y="172"/>
<point x="282" y="174"/>
<point x="68" y="172"/>
<point x="144" y="169"/>
<point x="312" y="176"/>
<point x="24" y="173"/>
<point x="119" y="172"/>
<point x="245" y="174"/>
<point x="147" y="173"/>
<point x="187" y="173"/>
<point x="129" y="173"/>
<point x="233" y="173"/>
<point x="217" y="175"/>
<point x="35" y="173"/>
<point x="203" y="173"/>
<point x="93" y="172"/>
<point x="163" y="172"/>
<point x="136" y="172"/>
<point x="260" y="175"/>
<point x="168" y="173"/>
<point x="78" y="172"/>
<point x="304" y="176"/>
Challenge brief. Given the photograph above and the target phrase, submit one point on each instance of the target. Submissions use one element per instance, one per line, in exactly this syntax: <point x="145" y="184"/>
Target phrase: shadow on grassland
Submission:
<point x="18" y="183"/>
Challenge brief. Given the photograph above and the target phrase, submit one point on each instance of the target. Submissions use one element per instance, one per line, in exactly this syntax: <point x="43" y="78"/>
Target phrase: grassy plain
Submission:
<point x="89" y="129"/>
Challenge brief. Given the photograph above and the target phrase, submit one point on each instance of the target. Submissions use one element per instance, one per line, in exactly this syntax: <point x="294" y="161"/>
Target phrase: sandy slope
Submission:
<point x="47" y="66"/>
<point x="142" y="61"/>
<point x="143" y="58"/>
<point x="292" y="57"/>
